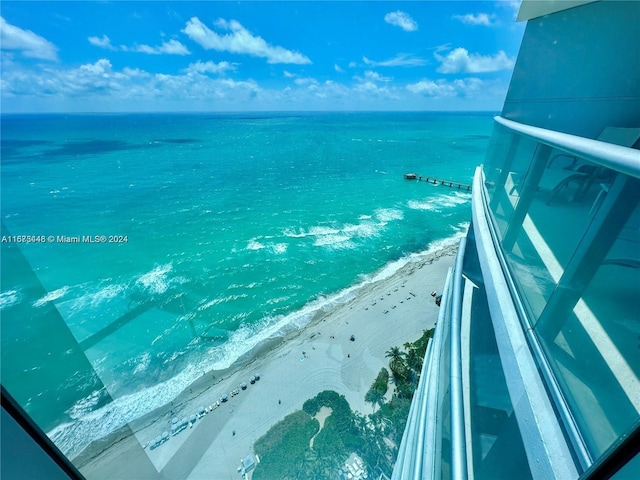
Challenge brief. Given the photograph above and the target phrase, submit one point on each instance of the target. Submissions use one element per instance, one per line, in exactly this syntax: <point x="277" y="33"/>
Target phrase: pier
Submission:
<point x="438" y="181"/>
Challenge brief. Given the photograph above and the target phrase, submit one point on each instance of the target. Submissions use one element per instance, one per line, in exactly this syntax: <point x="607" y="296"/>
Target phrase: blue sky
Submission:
<point x="256" y="56"/>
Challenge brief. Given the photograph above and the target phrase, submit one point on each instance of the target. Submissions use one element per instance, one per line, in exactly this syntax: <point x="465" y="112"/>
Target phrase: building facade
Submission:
<point x="533" y="370"/>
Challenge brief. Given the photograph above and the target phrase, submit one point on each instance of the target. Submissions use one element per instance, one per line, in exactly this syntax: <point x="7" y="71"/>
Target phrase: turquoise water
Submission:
<point x="232" y="228"/>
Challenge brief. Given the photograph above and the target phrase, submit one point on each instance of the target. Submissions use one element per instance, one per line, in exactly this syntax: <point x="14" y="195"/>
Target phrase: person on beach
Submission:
<point x="438" y="298"/>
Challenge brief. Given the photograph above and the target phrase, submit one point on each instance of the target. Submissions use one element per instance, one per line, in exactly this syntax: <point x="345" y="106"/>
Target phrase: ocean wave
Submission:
<point x="254" y="245"/>
<point x="387" y="215"/>
<point x="156" y="281"/>
<point x="279" y="248"/>
<point x="142" y="362"/>
<point x="335" y="242"/>
<point x="51" y="296"/>
<point x="440" y="202"/>
<point x="275" y="248"/>
<point x="90" y="423"/>
<point x="96" y="298"/>
<point x="10" y="298"/>
<point x="345" y="236"/>
<point x="72" y="437"/>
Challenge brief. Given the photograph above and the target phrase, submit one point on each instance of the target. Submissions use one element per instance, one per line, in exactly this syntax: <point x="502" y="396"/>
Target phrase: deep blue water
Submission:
<point x="238" y="227"/>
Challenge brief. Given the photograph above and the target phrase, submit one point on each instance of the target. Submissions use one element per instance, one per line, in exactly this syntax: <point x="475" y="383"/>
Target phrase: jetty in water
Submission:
<point x="438" y="181"/>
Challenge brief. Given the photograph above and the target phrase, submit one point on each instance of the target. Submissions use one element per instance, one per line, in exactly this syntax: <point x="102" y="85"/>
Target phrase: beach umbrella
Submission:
<point x="165" y="436"/>
<point x="252" y="380"/>
<point x="243" y="385"/>
<point x="183" y="422"/>
<point x="257" y="376"/>
<point x="193" y="419"/>
<point x="201" y="411"/>
<point x="174" y="420"/>
<point x="224" y="397"/>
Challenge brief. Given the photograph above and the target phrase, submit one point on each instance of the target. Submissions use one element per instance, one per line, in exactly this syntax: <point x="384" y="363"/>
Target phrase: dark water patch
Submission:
<point x="24" y="143"/>
<point x="13" y="148"/>
<point x="90" y="147"/>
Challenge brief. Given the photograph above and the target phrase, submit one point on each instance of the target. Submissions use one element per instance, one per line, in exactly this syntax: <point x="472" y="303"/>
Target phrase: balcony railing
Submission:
<point x="556" y="225"/>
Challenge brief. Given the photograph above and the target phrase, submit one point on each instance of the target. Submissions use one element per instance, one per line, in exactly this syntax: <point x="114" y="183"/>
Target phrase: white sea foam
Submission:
<point x="338" y="242"/>
<point x="9" y="298"/>
<point x="89" y="425"/>
<point x="142" y="363"/>
<point x="51" y="296"/>
<point x="279" y="248"/>
<point x="440" y="202"/>
<point x="345" y="236"/>
<point x="387" y="215"/>
<point x="156" y="281"/>
<point x="72" y="437"/>
<point x="254" y="245"/>
<point x="96" y="298"/>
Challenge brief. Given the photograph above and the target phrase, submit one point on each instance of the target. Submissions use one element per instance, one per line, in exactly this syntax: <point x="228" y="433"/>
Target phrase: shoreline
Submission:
<point x="299" y="349"/>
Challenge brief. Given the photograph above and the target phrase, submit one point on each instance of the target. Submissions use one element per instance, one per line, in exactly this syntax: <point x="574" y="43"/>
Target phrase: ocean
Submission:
<point x="143" y="250"/>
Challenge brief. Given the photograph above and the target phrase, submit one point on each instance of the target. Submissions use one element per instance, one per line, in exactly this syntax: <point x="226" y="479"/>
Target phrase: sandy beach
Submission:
<point x="293" y="369"/>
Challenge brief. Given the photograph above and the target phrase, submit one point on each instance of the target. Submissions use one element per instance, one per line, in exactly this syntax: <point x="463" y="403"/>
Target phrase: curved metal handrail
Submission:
<point x="621" y="159"/>
<point x="458" y="440"/>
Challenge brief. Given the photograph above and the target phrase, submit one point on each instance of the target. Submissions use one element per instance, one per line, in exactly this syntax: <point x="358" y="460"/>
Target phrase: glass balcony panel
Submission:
<point x="593" y="343"/>
<point x="557" y="199"/>
<point x="444" y="408"/>
<point x="498" y="450"/>
<point x="508" y="161"/>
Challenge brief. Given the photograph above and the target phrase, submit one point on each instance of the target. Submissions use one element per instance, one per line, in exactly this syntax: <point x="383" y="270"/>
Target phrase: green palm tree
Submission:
<point x="374" y="397"/>
<point x="396" y="363"/>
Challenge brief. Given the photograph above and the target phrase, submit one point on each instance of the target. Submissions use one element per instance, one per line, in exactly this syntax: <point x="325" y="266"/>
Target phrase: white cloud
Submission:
<point x="98" y="86"/>
<point x="402" y="20"/>
<point x="443" y="88"/>
<point x="337" y="68"/>
<point x="27" y="42"/>
<point x="209" y="67"/>
<point x="376" y="77"/>
<point x="172" y="47"/>
<point x="460" y="61"/>
<point x="239" y="40"/>
<point x="476" y="19"/>
<point x="400" y="60"/>
<point x="102" y="42"/>
<point x="305" y="81"/>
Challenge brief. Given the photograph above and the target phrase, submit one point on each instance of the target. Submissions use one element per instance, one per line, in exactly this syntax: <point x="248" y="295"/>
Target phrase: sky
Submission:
<point x="125" y="56"/>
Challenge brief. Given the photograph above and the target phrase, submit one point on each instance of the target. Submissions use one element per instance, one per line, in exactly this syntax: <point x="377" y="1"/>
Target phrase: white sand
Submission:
<point x="320" y="357"/>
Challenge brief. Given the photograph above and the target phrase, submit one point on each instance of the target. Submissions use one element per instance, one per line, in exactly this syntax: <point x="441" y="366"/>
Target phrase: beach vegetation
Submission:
<point x="286" y="451"/>
<point x="379" y="388"/>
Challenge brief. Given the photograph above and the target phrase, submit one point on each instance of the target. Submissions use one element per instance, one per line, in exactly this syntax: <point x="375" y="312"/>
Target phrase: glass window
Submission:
<point x="591" y="328"/>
